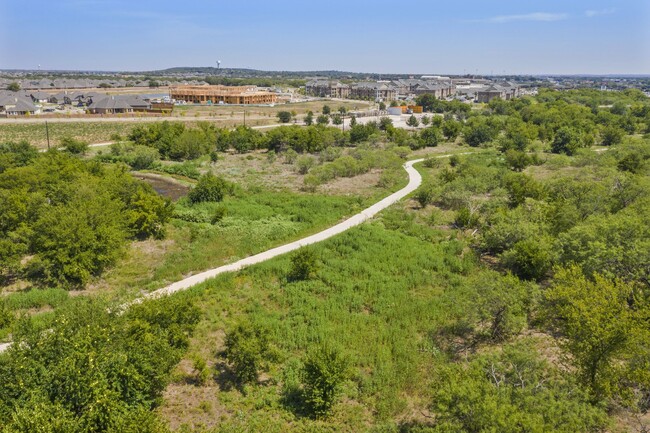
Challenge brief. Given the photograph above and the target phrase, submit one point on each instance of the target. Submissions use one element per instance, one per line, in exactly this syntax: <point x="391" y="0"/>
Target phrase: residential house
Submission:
<point x="16" y="106"/>
<point x="40" y="97"/>
<point x="110" y="105"/>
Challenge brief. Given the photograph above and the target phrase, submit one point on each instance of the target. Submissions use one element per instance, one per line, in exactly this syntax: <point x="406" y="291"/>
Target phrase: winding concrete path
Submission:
<point x="415" y="179"/>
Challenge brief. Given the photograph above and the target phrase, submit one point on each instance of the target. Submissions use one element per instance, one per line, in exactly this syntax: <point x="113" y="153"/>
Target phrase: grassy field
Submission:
<point x="252" y="223"/>
<point x="100" y="131"/>
<point x="34" y="133"/>
<point x="381" y="289"/>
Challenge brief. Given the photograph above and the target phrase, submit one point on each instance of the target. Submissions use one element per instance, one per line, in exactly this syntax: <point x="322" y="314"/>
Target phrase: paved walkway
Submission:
<point x="415" y="179"/>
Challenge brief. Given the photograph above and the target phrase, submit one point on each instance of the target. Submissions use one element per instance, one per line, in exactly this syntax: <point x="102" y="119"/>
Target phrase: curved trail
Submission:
<point x="415" y="180"/>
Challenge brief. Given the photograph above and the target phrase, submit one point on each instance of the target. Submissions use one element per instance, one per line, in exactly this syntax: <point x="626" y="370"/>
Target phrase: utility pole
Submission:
<point x="47" y="134"/>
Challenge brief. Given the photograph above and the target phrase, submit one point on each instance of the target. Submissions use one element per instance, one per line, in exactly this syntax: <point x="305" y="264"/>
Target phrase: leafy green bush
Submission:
<point x="73" y="145"/>
<point x="186" y="169"/>
<point x="323" y="374"/>
<point x="209" y="188"/>
<point x="304" y="264"/>
<point x="247" y="347"/>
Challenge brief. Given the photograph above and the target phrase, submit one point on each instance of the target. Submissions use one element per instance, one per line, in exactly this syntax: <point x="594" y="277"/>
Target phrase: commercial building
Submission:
<point x="240" y="95"/>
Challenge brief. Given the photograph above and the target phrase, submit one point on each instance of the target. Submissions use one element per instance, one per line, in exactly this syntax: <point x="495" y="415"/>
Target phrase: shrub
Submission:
<point x="304" y="265"/>
<point x="612" y="135"/>
<point x="284" y="116"/>
<point x="324" y="372"/>
<point x="465" y="218"/>
<point x="529" y="259"/>
<point x="74" y="146"/>
<point x="432" y="162"/>
<point x="209" y="188"/>
<point x="304" y="163"/>
<point x="424" y="195"/>
<point x="290" y="156"/>
<point x="246" y="347"/>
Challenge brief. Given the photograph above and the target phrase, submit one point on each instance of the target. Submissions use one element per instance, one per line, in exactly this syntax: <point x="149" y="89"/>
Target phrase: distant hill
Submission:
<point x="245" y="73"/>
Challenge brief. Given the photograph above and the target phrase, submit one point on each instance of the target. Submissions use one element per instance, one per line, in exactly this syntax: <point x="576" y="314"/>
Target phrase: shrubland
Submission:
<point x="509" y="294"/>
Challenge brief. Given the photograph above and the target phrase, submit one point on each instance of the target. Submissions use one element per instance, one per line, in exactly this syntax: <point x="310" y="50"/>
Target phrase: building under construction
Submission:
<point x="242" y="95"/>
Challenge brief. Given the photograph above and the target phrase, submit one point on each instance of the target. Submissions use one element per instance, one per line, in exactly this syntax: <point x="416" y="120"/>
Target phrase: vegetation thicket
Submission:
<point x="510" y="294"/>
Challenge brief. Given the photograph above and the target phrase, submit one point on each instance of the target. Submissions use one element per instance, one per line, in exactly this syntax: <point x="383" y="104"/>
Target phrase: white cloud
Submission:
<point x="597" y="13"/>
<point x="535" y="16"/>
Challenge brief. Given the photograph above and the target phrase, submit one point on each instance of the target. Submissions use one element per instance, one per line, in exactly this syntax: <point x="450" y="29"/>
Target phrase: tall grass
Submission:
<point x="378" y="295"/>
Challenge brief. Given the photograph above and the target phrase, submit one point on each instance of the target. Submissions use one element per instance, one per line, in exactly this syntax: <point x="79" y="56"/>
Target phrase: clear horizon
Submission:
<point x="475" y="37"/>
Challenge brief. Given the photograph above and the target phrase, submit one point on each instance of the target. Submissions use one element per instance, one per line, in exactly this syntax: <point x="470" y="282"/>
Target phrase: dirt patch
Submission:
<point x="193" y="406"/>
<point x="259" y="169"/>
<point x="363" y="184"/>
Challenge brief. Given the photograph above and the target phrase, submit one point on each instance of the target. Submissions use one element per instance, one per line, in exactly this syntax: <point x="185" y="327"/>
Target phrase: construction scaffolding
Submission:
<point x="239" y="95"/>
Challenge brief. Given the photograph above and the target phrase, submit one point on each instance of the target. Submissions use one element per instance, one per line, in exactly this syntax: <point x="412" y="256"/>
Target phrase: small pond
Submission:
<point x="163" y="185"/>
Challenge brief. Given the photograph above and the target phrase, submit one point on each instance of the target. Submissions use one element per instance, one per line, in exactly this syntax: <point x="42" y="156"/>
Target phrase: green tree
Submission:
<point x="617" y="246"/>
<point x="209" y="188"/>
<point x="511" y="391"/>
<point x="521" y="186"/>
<point x="309" y="118"/>
<point x="567" y="140"/>
<point x="190" y="144"/>
<point x="529" y="259"/>
<point x="430" y="136"/>
<point x="478" y="134"/>
<point x="605" y="325"/>
<point x="77" y="240"/>
<point x="13" y="87"/>
<point x="147" y="214"/>
<point x="517" y="160"/>
<point x="413" y="121"/>
<point x="16" y="154"/>
<point x="451" y="129"/>
<point x="342" y="109"/>
<point x="323" y="119"/>
<point x="337" y="119"/>
<point x="326" y="110"/>
<point x="385" y="123"/>
<point x="324" y="372"/>
<point x="247" y="346"/>
<point x="284" y="116"/>
<point x="427" y="101"/>
<point x="382" y="106"/>
<point x="612" y="135"/>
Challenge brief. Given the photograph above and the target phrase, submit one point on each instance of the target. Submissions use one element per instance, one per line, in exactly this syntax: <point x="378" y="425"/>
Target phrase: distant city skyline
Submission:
<point x="471" y="37"/>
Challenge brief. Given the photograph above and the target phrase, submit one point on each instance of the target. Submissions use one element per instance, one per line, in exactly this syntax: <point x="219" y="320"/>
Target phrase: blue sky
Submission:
<point x="419" y="36"/>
